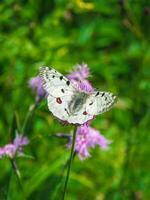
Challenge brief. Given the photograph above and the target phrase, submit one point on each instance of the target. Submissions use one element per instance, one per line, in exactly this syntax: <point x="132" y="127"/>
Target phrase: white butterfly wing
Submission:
<point x="100" y="102"/>
<point x="52" y="79"/>
<point x="60" y="92"/>
<point x="59" y="110"/>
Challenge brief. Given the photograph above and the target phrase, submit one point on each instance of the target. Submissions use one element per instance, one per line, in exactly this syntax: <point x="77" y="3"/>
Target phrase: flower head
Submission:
<point x="36" y="84"/>
<point x="80" y="72"/>
<point x="78" y="78"/>
<point x="87" y="138"/>
<point x="14" y="148"/>
<point x="20" y="141"/>
<point x="10" y="150"/>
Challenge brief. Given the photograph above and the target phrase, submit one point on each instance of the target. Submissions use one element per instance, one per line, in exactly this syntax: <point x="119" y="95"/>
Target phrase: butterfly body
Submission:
<point x="69" y="104"/>
<point x="77" y="102"/>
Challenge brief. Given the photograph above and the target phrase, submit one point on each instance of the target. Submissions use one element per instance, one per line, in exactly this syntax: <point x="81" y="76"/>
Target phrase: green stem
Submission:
<point x="29" y="113"/>
<point x="18" y="175"/>
<point x="15" y="170"/>
<point x="69" y="163"/>
<point x="9" y="185"/>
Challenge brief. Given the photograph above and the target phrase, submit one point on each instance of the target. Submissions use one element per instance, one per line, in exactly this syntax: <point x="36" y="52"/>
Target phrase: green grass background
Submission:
<point x="112" y="37"/>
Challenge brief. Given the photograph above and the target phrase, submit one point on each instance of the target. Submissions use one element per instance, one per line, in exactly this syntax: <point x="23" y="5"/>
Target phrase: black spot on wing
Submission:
<point x="61" y="77"/>
<point x="90" y="103"/>
<point x="97" y="94"/>
<point x="103" y="94"/>
<point x="53" y="76"/>
<point x="68" y="83"/>
<point x="62" y="90"/>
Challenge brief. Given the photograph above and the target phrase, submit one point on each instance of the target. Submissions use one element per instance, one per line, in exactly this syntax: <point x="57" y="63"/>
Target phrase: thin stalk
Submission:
<point x="9" y="185"/>
<point x="29" y="114"/>
<point x="69" y="163"/>
<point x="18" y="175"/>
<point x="14" y="170"/>
<point x="61" y="180"/>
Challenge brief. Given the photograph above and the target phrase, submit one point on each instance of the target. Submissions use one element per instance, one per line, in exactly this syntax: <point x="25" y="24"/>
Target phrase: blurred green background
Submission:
<point x="112" y="37"/>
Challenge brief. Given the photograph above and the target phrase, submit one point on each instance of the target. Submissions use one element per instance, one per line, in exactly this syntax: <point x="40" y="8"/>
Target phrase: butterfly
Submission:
<point x="69" y="104"/>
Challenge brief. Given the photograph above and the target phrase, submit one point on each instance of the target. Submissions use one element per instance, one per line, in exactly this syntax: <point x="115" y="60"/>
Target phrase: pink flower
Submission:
<point x="20" y="141"/>
<point x="36" y="84"/>
<point x="78" y="78"/>
<point x="14" y="148"/>
<point x="10" y="150"/>
<point x="87" y="138"/>
<point x="81" y="72"/>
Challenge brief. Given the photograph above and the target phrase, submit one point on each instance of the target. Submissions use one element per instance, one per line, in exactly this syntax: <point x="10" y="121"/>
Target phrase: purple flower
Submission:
<point x="10" y="150"/>
<point x="14" y="148"/>
<point x="20" y="141"/>
<point x="88" y="137"/>
<point x="78" y="78"/>
<point x="86" y="86"/>
<point x="81" y="72"/>
<point x="36" y="84"/>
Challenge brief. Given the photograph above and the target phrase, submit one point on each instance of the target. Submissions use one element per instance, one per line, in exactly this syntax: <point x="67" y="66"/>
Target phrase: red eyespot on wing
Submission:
<point x="85" y="113"/>
<point x="58" y="100"/>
